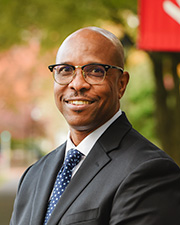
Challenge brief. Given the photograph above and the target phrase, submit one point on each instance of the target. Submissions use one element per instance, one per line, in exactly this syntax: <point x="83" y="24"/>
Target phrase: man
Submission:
<point x="120" y="178"/>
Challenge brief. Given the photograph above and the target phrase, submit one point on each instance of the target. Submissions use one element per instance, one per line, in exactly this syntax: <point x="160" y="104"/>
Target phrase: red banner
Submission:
<point x="159" y="25"/>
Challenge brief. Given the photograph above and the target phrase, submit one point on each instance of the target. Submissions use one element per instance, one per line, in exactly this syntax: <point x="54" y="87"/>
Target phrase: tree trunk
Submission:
<point x="167" y="102"/>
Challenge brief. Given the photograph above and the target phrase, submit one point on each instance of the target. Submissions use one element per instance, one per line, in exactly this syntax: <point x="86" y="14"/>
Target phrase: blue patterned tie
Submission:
<point x="63" y="178"/>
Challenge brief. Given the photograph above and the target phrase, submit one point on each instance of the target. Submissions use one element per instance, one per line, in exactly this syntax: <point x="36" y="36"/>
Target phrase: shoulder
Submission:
<point x="130" y="149"/>
<point x="33" y="171"/>
<point x="50" y="156"/>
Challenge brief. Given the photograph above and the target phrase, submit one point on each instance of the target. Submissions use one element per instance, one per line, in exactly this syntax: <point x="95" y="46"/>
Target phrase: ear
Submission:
<point x="123" y="81"/>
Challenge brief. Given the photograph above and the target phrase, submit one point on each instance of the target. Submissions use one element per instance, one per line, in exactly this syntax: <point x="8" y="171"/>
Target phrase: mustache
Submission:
<point x="78" y="94"/>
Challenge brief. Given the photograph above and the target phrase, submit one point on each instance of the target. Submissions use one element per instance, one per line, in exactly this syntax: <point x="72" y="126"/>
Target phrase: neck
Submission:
<point x="77" y="136"/>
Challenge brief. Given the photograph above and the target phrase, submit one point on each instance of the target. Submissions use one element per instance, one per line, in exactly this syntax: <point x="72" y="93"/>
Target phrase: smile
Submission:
<point x="79" y="102"/>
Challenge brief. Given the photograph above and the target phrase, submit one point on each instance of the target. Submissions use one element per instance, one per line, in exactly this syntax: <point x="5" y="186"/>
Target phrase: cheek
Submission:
<point x="56" y="93"/>
<point x="113" y="89"/>
<point x="58" y="90"/>
<point x="110" y="94"/>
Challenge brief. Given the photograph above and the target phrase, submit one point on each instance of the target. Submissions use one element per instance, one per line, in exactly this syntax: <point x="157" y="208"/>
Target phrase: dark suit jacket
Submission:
<point x="124" y="180"/>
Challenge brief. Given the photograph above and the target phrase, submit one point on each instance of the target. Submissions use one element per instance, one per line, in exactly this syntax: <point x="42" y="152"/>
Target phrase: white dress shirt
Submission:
<point x="88" y="142"/>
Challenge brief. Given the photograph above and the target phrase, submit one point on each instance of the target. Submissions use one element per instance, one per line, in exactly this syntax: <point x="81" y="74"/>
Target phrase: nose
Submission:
<point x="78" y="83"/>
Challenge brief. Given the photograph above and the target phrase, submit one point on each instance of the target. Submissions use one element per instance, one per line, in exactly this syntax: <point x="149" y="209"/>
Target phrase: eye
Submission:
<point x="64" y="69"/>
<point x="97" y="70"/>
<point x="94" y="70"/>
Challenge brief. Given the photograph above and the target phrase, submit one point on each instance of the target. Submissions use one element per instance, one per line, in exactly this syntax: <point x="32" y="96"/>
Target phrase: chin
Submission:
<point x="81" y="126"/>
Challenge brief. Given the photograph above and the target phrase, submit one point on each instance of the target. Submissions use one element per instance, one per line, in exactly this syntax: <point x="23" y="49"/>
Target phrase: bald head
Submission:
<point x="115" y="41"/>
<point x="104" y="42"/>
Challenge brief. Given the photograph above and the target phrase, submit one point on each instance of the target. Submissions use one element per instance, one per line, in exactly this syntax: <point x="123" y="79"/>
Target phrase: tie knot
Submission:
<point x="73" y="158"/>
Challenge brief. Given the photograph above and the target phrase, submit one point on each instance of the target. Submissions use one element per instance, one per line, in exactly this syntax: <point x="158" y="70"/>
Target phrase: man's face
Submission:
<point x="85" y="106"/>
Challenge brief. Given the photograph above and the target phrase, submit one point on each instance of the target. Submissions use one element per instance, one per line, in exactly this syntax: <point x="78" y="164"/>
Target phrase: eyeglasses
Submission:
<point x="93" y="73"/>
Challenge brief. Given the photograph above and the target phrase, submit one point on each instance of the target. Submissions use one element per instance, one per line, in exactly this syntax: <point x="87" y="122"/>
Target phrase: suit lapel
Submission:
<point x="95" y="161"/>
<point x="115" y="133"/>
<point x="88" y="170"/>
<point x="45" y="184"/>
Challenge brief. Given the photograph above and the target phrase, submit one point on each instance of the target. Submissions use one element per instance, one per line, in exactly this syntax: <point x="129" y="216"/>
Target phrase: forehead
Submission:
<point x="87" y="46"/>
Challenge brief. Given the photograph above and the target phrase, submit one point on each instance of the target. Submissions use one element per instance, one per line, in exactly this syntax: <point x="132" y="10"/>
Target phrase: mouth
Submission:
<point x="79" y="102"/>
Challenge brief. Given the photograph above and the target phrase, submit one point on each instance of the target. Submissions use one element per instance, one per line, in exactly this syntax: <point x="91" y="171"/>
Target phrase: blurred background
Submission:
<point x="30" y="125"/>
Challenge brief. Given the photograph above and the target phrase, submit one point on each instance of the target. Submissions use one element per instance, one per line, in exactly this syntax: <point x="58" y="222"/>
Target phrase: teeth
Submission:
<point x="79" y="102"/>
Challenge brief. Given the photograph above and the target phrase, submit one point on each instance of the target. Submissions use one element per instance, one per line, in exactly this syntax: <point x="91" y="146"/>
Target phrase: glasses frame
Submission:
<point x="106" y="67"/>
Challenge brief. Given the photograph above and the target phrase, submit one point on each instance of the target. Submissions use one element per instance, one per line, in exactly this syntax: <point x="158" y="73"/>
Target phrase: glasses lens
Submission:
<point x="94" y="74"/>
<point x="63" y="74"/>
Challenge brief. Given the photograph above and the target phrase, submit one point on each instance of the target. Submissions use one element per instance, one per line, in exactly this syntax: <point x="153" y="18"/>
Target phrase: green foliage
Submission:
<point x="139" y="98"/>
<point x="51" y="21"/>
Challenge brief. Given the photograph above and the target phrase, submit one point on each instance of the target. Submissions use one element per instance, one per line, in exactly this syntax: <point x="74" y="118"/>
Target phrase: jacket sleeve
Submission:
<point x="13" y="217"/>
<point x="150" y="195"/>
